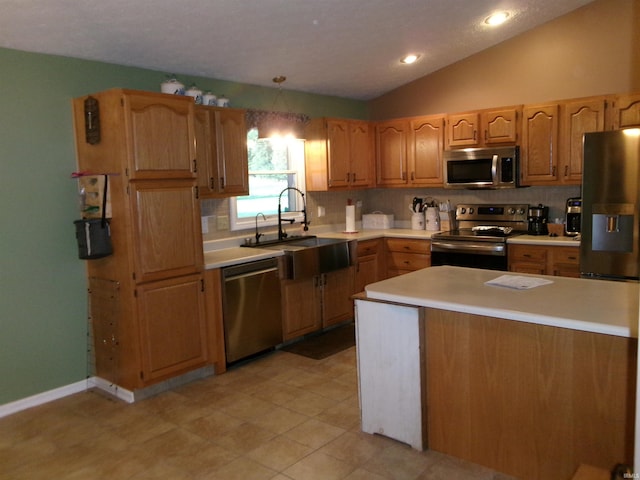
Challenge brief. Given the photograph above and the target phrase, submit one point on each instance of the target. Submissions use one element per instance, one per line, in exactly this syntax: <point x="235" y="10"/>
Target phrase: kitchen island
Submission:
<point x="528" y="382"/>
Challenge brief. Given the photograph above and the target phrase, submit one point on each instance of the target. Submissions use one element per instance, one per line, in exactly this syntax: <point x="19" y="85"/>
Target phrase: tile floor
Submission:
<point x="279" y="417"/>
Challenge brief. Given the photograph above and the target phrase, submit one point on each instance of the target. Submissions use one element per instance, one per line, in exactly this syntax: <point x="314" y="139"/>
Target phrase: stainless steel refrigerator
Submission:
<point x="610" y="205"/>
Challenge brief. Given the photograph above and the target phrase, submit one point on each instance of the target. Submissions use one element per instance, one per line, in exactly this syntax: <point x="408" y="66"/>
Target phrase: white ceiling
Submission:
<point x="347" y="48"/>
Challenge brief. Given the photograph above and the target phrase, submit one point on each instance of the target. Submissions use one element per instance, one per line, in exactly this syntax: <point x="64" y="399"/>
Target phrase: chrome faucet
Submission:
<point x="258" y="235"/>
<point x="281" y="233"/>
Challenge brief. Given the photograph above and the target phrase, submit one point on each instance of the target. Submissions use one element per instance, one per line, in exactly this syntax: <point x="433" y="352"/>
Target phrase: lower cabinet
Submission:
<point x="369" y="263"/>
<point x="406" y="255"/>
<point x="544" y="260"/>
<point x="310" y="304"/>
<point x="173" y="326"/>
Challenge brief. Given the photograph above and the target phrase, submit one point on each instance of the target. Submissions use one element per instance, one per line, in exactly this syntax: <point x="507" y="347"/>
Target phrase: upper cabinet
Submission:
<point x="338" y="154"/>
<point x="483" y="128"/>
<point x="391" y="153"/>
<point x="424" y="153"/>
<point x="577" y="118"/>
<point x="221" y="150"/>
<point x="409" y="152"/>
<point x="624" y="112"/>
<point x="539" y="148"/>
<point x="159" y="136"/>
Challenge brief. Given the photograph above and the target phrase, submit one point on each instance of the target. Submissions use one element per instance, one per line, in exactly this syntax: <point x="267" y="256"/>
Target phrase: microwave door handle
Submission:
<point x="494" y="169"/>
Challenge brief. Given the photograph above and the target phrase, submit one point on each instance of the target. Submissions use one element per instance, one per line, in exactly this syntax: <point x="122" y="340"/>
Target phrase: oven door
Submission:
<point x="468" y="253"/>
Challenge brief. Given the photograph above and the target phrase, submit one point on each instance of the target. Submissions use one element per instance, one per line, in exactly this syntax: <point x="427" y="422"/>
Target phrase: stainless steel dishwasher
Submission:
<point x="252" y="314"/>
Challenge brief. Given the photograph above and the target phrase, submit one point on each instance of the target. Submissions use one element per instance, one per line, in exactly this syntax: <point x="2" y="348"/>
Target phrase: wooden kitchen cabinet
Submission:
<point x="578" y="117"/>
<point x="338" y="154"/>
<point x="544" y="260"/>
<point x="158" y="319"/>
<point x="391" y="153"/>
<point x="313" y="303"/>
<point x="158" y="135"/>
<point x="173" y="325"/>
<point x="539" y="149"/>
<point x="424" y="153"/>
<point x="221" y="150"/>
<point x="406" y="255"/>
<point x="369" y="263"/>
<point x="624" y="112"/>
<point x="483" y="128"/>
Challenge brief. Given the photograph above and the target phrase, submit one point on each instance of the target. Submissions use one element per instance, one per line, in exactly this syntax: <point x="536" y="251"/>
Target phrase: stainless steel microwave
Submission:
<point x="474" y="168"/>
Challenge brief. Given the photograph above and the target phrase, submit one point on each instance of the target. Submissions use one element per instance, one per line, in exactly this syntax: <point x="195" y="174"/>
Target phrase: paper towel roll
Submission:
<point x="350" y="218"/>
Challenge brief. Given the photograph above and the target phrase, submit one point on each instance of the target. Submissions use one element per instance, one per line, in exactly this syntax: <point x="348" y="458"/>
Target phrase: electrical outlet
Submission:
<point x="321" y="211"/>
<point x="223" y="222"/>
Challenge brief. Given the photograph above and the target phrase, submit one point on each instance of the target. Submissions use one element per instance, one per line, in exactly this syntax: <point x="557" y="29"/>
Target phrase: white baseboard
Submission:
<point x="56" y="393"/>
<point x="44" y="397"/>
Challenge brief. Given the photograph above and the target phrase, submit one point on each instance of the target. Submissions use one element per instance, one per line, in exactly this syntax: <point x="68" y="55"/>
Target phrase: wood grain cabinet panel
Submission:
<point x="539" y="152"/>
<point x="338" y="154"/>
<point x="406" y="255"/>
<point x="391" y="153"/>
<point x="426" y="143"/>
<point x="544" y="260"/>
<point x="625" y="111"/>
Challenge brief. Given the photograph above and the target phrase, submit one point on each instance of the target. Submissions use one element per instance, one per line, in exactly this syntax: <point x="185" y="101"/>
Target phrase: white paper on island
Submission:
<point x="518" y="282"/>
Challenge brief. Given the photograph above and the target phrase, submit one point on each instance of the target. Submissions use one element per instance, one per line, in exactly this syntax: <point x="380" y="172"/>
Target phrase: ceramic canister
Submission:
<point x="196" y="93"/>
<point x="172" y="86"/>
<point x="209" y="99"/>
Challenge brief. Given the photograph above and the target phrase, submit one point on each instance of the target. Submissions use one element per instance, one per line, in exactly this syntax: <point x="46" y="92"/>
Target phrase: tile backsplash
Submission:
<point x="397" y="201"/>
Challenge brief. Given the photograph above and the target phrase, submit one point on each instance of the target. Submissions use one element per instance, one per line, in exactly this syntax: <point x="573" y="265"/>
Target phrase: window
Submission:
<point x="274" y="164"/>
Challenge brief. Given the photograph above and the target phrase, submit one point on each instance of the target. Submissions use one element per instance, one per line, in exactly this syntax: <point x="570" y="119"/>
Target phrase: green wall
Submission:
<point x="43" y="298"/>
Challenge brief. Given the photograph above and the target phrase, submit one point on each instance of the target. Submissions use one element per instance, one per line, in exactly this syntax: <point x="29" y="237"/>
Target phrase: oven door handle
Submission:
<point x="469" y="247"/>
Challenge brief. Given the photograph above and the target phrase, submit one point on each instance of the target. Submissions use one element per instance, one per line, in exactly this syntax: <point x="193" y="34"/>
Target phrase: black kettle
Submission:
<point x="538" y="218"/>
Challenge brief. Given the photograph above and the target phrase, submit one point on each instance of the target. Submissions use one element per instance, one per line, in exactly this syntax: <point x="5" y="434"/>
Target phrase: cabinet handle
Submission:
<point x="353" y="180"/>
<point x="221" y="183"/>
<point x="197" y="192"/>
<point x="202" y="284"/>
<point x="404" y="175"/>
<point x="212" y="183"/>
<point x="348" y="177"/>
<point x="475" y="135"/>
<point x="526" y="255"/>
<point x="485" y="136"/>
<point x="195" y="165"/>
<point x="553" y="171"/>
<point x="413" y="176"/>
<point x="566" y="170"/>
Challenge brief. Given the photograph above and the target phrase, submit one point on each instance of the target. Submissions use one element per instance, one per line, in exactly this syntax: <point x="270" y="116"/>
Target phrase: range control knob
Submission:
<point x="463" y="210"/>
<point x="511" y="211"/>
<point x="470" y="210"/>
<point x="521" y="211"/>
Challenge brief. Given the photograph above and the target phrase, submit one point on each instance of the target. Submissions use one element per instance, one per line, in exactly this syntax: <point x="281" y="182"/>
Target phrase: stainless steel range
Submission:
<point x="480" y="239"/>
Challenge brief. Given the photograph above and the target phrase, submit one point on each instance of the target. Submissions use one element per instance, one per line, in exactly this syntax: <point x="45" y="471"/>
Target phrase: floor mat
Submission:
<point x="325" y="344"/>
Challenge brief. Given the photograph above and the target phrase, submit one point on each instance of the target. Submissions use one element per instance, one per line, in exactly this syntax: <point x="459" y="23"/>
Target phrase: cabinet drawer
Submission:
<point x="569" y="255"/>
<point x="408" y="261"/>
<point x="527" y="253"/>
<point x="406" y="245"/>
<point x="368" y="247"/>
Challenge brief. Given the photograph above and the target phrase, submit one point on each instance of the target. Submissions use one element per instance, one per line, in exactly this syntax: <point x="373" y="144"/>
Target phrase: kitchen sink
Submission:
<point x="307" y="256"/>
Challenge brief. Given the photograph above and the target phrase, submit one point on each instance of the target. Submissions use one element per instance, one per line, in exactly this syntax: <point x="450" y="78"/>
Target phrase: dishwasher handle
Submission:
<point x="249" y="274"/>
<point x="250" y="268"/>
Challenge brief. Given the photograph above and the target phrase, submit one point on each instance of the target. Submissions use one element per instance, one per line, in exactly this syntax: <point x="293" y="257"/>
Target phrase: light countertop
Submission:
<point x="597" y="306"/>
<point x="227" y="252"/>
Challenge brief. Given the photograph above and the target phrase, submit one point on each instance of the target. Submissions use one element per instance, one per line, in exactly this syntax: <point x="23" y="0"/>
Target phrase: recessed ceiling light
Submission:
<point x="497" y="18"/>
<point x="409" y="59"/>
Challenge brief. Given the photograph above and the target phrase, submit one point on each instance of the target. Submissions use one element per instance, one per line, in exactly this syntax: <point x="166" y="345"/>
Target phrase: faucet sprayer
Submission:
<point x="282" y="234"/>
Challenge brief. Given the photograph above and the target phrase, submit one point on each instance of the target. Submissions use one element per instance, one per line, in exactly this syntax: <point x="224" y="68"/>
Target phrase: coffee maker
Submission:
<point x="573" y="214"/>
<point x="538" y="217"/>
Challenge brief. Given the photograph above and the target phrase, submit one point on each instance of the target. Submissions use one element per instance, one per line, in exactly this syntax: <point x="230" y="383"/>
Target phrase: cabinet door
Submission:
<point x="166" y="229"/>
<point x="337" y="289"/>
<point x="206" y="151"/>
<point x="425" y="150"/>
<point x="578" y="118"/>
<point x="361" y="154"/>
<point x="160" y="136"/>
<point x="391" y="153"/>
<point x="500" y="126"/>
<point x="173" y="328"/>
<point x="527" y="259"/>
<point x="301" y="309"/>
<point x="625" y="112"/>
<point x="338" y="146"/>
<point x="231" y="144"/>
<point x="539" y="144"/>
<point x="368" y="268"/>
<point x="462" y="130"/>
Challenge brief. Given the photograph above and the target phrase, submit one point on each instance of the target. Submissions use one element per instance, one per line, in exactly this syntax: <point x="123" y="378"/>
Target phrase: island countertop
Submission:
<point x="597" y="306"/>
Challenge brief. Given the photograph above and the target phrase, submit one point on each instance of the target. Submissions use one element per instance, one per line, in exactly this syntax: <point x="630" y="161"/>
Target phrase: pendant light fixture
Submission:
<point x="277" y="123"/>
